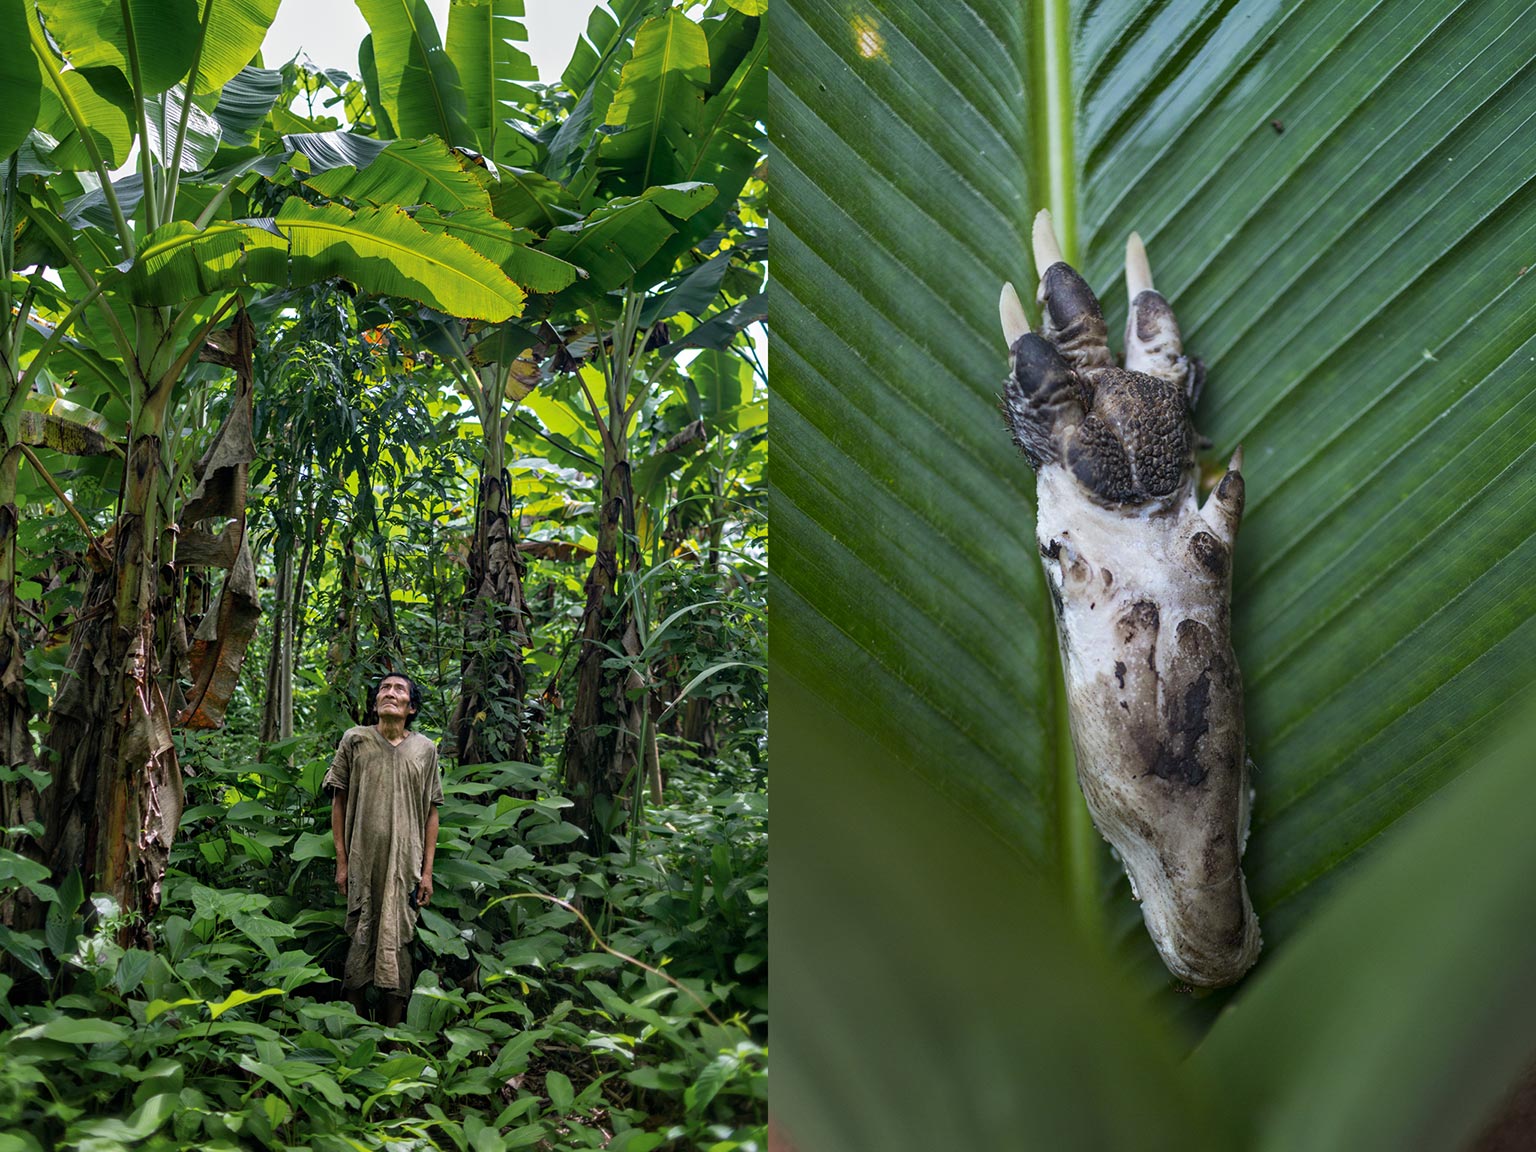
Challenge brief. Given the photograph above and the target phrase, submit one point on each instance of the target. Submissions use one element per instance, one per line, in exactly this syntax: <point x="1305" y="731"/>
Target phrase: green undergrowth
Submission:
<point x="562" y="1000"/>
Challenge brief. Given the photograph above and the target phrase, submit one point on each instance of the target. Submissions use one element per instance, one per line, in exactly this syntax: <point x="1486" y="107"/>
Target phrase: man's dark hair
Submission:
<point x="373" y="696"/>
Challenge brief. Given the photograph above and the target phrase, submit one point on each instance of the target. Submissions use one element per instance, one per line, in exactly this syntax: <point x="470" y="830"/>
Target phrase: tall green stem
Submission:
<point x="1049" y="78"/>
<point x="1050" y="89"/>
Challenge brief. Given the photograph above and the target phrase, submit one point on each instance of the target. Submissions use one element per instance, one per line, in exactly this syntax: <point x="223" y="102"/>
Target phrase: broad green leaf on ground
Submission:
<point x="1335" y="201"/>
<point x="20" y="82"/>
<point x="418" y="86"/>
<point x="483" y="38"/>
<point x="162" y="36"/>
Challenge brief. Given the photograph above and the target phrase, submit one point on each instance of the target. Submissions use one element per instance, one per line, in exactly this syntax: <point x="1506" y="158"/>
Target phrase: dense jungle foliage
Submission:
<point x="309" y="376"/>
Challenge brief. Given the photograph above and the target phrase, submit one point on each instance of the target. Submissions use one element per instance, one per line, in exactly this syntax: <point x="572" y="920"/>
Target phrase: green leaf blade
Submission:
<point x="1333" y="200"/>
<point x="93" y="34"/>
<point x="909" y="589"/>
<point x="19" y="79"/>
<point x="418" y="85"/>
<point x="482" y="43"/>
<point x="236" y="29"/>
<point x="1401" y="1013"/>
<point x="1337" y="238"/>
<point x="660" y="99"/>
<point x="383" y="250"/>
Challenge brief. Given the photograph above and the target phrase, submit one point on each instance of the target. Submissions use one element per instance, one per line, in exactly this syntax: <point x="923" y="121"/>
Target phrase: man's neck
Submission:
<point x="391" y="728"/>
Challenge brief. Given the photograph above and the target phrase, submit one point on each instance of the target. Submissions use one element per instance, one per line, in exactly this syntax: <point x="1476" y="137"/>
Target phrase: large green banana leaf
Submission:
<point x="657" y="104"/>
<point x="19" y="79"/>
<point x="151" y="43"/>
<point x="482" y="43"/>
<point x="1337" y="199"/>
<point x="417" y="85"/>
<point x="379" y="249"/>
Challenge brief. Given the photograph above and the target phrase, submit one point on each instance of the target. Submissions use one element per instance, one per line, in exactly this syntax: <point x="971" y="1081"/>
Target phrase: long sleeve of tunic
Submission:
<point x="391" y="790"/>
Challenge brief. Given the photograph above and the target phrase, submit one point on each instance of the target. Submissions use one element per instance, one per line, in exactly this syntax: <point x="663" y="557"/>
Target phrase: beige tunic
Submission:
<point x="390" y="793"/>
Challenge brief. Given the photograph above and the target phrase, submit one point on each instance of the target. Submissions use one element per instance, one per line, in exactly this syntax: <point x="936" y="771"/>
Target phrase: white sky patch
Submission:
<point x="329" y="31"/>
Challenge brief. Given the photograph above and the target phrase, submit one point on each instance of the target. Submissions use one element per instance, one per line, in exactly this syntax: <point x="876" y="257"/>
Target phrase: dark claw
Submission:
<point x="1042" y="398"/>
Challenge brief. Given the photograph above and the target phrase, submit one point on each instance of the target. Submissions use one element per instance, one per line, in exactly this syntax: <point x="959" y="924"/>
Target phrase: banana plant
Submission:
<point x="685" y="105"/>
<point x="154" y="262"/>
<point x="639" y="169"/>
<point x="1331" y="201"/>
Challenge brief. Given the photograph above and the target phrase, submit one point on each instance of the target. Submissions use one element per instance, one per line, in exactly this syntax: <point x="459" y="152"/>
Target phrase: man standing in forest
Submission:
<point x="385" y="787"/>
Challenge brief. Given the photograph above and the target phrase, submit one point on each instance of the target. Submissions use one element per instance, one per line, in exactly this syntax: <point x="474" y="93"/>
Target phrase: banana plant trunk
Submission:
<point x="116" y="796"/>
<point x="602" y="742"/>
<point x="18" y="799"/>
<point x="277" y="708"/>
<point x="490" y="720"/>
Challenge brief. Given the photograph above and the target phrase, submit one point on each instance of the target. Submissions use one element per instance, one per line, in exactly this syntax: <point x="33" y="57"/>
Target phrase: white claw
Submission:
<point x="1138" y="271"/>
<point x="1047" y="247"/>
<point x="1011" y="311"/>
<point x="1236" y="463"/>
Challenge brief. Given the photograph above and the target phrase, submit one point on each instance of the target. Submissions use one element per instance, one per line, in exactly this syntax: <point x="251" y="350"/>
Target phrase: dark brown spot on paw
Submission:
<point x="1210" y="553"/>
<point x="1140" y="618"/>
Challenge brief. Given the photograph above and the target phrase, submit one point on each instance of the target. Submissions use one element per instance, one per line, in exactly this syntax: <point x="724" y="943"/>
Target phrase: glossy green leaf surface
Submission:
<point x="660" y="95"/>
<point x="723" y="142"/>
<point x="616" y="240"/>
<point x="245" y="99"/>
<point x="163" y="120"/>
<point x="528" y="200"/>
<point x="504" y="246"/>
<point x="898" y="978"/>
<point x="909" y="591"/>
<point x="1346" y="262"/>
<point x="68" y="101"/>
<point x="1404" y="1010"/>
<point x="593" y="74"/>
<point x="383" y="250"/>
<point x="1335" y="202"/>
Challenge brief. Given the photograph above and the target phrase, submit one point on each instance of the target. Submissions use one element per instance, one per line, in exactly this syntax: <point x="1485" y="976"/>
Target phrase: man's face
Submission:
<point x="394" y="698"/>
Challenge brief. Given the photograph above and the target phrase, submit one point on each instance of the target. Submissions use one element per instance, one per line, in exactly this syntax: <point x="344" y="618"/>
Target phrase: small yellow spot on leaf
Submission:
<point x="867" y="38"/>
